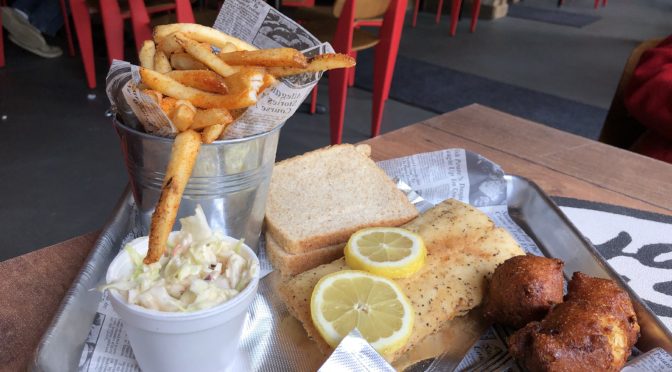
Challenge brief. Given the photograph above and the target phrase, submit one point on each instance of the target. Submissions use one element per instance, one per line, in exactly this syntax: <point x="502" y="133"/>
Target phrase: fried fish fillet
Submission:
<point x="463" y="249"/>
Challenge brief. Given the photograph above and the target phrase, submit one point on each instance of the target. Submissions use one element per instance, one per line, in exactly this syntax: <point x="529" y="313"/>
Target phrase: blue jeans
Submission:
<point x="45" y="15"/>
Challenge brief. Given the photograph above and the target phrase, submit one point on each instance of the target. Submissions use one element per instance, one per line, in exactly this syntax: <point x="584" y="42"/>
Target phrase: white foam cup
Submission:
<point x="204" y="340"/>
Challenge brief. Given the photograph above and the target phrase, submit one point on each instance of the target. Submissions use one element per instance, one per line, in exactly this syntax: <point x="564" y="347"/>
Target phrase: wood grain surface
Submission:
<point x="31" y="290"/>
<point x="562" y="164"/>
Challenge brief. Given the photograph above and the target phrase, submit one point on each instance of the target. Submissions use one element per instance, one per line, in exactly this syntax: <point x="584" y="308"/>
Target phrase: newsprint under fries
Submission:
<point x="200" y="84"/>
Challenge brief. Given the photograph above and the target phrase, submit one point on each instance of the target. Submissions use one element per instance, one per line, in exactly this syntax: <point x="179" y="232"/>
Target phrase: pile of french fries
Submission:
<point x="202" y="92"/>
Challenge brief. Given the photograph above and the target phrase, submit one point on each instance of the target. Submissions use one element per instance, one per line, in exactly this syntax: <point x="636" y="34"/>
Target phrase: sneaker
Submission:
<point x="25" y="35"/>
<point x="43" y="50"/>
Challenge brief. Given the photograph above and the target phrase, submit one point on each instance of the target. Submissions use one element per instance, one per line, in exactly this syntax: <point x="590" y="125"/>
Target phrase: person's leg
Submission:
<point x="26" y="7"/>
<point x="47" y="17"/>
<point x="23" y="33"/>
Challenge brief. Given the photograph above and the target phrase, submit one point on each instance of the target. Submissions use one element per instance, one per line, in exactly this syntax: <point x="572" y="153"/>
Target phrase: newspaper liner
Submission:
<point x="254" y="22"/>
<point x="273" y="340"/>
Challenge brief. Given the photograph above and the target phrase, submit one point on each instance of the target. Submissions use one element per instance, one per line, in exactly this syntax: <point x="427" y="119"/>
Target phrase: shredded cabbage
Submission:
<point x="200" y="270"/>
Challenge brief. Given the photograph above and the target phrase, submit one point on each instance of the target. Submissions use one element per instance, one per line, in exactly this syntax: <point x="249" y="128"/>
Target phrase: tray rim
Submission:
<point x="126" y="196"/>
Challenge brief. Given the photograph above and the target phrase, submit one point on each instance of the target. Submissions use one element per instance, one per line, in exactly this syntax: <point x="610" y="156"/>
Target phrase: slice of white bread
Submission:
<point x="320" y="198"/>
<point x="290" y="264"/>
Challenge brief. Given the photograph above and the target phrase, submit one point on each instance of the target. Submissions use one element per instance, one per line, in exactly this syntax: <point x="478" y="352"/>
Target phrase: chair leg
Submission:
<point x="338" y="79"/>
<point x="416" y="7"/>
<point x="338" y="93"/>
<point x="560" y="2"/>
<point x="184" y="12"/>
<point x="475" y="12"/>
<point x="82" y="21"/>
<point x="2" y="46"/>
<point x="313" y="100"/>
<point x="113" y="25"/>
<point x="351" y="71"/>
<point x="438" y="12"/>
<point x="68" y="32"/>
<point x="597" y="3"/>
<point x="454" y="16"/>
<point x="142" y="29"/>
<point x="604" y="3"/>
<point x="385" y="59"/>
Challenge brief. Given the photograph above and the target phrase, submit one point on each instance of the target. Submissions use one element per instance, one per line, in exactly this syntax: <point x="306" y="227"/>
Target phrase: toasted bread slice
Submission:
<point x="290" y="264"/>
<point x="320" y="198"/>
<point x="463" y="249"/>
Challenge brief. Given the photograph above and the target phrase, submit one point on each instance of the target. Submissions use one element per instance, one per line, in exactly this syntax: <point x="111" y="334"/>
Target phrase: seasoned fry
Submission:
<point x="322" y="62"/>
<point x="146" y="54"/>
<point x="183" y="115"/>
<point x="213" y="116"/>
<point x="276" y="57"/>
<point x="172" y="88"/>
<point x="204" y="55"/>
<point x="228" y="48"/>
<point x="161" y="62"/>
<point x="168" y="105"/>
<point x="181" y="163"/>
<point x="169" y="45"/>
<point x="212" y="133"/>
<point x="154" y="95"/>
<point x="236" y="113"/>
<point x="204" y="80"/>
<point x="246" y="78"/>
<point x="269" y="81"/>
<point x="183" y="61"/>
<point x="201" y="34"/>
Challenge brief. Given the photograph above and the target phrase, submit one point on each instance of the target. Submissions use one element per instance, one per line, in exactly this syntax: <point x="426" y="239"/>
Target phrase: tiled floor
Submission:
<point x="61" y="167"/>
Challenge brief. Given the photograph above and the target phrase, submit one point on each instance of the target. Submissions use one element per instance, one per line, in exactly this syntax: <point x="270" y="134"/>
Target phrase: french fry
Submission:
<point x="184" y="61"/>
<point x="236" y="113"/>
<point x="269" y="81"/>
<point x="183" y="115"/>
<point x="276" y="57"/>
<point x="182" y="158"/>
<point x="161" y="62"/>
<point x="322" y="62"/>
<point x="205" y="55"/>
<point x="199" y="98"/>
<point x="205" y="80"/>
<point x="213" y="116"/>
<point x="146" y="54"/>
<point x="169" y="45"/>
<point x="212" y="133"/>
<point x="154" y="95"/>
<point x="202" y="34"/>
<point x="168" y="105"/>
<point x="246" y="78"/>
<point x="228" y="48"/>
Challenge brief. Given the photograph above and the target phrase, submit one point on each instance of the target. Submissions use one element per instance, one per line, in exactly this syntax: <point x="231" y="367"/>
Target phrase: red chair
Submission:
<point x="66" y="23"/>
<point x="597" y="3"/>
<point x="299" y="3"/>
<point x="347" y="38"/>
<point x="456" y="5"/>
<point x="113" y="26"/>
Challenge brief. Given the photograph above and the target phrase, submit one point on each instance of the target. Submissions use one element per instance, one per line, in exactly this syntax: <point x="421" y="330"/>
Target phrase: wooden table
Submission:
<point x="562" y="164"/>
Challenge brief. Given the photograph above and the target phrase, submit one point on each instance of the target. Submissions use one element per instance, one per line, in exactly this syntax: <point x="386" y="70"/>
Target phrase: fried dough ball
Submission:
<point x="523" y="289"/>
<point x="605" y="293"/>
<point x="592" y="330"/>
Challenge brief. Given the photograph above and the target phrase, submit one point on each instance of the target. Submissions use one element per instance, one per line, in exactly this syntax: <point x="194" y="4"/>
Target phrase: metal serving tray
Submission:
<point x="61" y="346"/>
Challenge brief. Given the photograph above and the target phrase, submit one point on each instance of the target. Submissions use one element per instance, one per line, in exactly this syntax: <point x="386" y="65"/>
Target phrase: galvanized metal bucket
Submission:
<point x="229" y="181"/>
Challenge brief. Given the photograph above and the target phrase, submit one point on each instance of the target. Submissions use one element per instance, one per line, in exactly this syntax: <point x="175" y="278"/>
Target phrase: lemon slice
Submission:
<point x="376" y="306"/>
<point x="391" y="252"/>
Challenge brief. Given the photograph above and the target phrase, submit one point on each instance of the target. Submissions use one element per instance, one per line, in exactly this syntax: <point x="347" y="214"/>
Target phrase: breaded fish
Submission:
<point x="463" y="249"/>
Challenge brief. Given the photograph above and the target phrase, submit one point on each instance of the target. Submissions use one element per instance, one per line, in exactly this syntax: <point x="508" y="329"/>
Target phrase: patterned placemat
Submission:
<point x="637" y="244"/>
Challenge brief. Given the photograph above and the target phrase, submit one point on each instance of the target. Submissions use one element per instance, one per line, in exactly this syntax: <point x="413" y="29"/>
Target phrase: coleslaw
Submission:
<point x="199" y="270"/>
